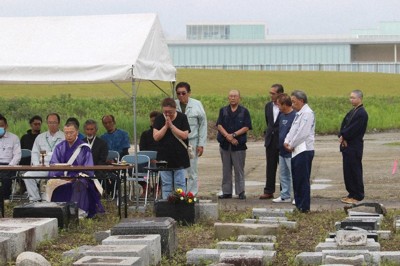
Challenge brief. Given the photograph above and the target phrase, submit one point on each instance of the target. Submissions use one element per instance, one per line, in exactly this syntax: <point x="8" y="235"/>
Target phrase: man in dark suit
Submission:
<point x="99" y="147"/>
<point x="351" y="138"/>
<point x="271" y="141"/>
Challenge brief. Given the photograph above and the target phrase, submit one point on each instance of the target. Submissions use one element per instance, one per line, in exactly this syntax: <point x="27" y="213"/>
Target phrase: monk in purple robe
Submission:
<point x="75" y="187"/>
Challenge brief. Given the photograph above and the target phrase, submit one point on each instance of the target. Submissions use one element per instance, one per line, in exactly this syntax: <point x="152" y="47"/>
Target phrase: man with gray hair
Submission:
<point x="300" y="142"/>
<point x="351" y="142"/>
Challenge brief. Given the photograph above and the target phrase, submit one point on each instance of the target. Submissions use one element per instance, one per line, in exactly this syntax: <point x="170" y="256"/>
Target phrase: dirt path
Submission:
<point x="327" y="178"/>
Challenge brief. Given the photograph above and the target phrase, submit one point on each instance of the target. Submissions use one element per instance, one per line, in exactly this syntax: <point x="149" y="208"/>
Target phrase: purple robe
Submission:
<point x="80" y="190"/>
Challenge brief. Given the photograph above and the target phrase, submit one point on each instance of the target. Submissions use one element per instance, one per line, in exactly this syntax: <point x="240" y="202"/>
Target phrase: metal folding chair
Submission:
<point x="142" y="175"/>
<point x="25" y="153"/>
<point x="154" y="178"/>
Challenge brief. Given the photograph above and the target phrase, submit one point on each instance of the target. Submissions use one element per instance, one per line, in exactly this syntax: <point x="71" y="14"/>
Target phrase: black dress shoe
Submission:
<point x="225" y="196"/>
<point x="242" y="195"/>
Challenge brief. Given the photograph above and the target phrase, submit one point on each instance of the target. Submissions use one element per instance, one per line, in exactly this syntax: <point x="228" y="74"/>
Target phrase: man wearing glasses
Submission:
<point x="196" y="116"/>
<point x="45" y="144"/>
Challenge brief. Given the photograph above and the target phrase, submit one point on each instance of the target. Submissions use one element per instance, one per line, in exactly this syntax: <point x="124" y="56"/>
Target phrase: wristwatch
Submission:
<point x="234" y="135"/>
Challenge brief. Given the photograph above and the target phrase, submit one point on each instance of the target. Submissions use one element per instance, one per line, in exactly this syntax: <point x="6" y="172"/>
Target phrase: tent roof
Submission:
<point x="84" y="49"/>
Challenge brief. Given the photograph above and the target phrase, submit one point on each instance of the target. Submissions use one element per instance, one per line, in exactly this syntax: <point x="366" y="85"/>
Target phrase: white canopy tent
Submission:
<point x="84" y="49"/>
<point x="81" y="49"/>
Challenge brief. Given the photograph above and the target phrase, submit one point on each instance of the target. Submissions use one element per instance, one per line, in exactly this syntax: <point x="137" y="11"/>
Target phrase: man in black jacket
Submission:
<point x="99" y="147"/>
<point x="271" y="141"/>
<point x="351" y="141"/>
<point x="28" y="139"/>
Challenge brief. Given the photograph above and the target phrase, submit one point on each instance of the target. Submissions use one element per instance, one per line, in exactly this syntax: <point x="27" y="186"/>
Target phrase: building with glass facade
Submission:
<point x="248" y="46"/>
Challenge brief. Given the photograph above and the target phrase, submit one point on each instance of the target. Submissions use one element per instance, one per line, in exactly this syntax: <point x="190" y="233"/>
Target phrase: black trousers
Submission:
<point x="353" y="172"/>
<point x="272" y="159"/>
<point x="6" y="183"/>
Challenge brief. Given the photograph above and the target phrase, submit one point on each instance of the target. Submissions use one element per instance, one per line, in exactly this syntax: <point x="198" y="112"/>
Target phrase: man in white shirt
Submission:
<point x="300" y="141"/>
<point x="45" y="142"/>
<point x="10" y="154"/>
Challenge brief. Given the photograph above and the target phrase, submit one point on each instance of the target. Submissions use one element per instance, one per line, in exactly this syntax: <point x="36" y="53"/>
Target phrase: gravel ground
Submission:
<point x="327" y="188"/>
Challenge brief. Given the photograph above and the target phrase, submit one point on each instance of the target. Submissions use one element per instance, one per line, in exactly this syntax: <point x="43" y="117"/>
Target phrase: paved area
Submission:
<point x="327" y="179"/>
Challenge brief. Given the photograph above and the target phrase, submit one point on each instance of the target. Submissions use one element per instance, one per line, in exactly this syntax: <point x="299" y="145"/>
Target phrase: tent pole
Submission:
<point x="136" y="183"/>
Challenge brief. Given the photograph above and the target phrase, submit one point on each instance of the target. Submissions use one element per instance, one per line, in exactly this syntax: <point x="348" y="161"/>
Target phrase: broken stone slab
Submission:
<point x="109" y="261"/>
<point x="101" y="235"/>
<point x="20" y="239"/>
<point x="227" y="230"/>
<point x="44" y="228"/>
<point x="141" y="251"/>
<point x="389" y="257"/>
<point x="76" y="253"/>
<point x="28" y="258"/>
<point x="245" y="245"/>
<point x="379" y="208"/>
<point x="348" y="253"/>
<point x="384" y="234"/>
<point x="370" y="246"/>
<point x="364" y="214"/>
<point x="277" y="219"/>
<point x="351" y="238"/>
<point x="152" y="241"/>
<point x="252" y="258"/>
<point x="308" y="258"/>
<point x="207" y="210"/>
<point x="163" y="226"/>
<point x="267" y="212"/>
<point x="287" y="224"/>
<point x="371" y="235"/>
<point x="257" y="238"/>
<point x="366" y="224"/>
<point x="357" y="260"/>
<point x="209" y="256"/>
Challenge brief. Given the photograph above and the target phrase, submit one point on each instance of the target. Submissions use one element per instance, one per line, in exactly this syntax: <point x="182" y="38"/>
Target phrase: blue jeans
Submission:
<point x="285" y="176"/>
<point x="166" y="181"/>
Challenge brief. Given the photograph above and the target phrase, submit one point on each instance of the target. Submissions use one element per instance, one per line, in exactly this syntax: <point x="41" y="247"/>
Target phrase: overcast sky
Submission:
<point x="282" y="17"/>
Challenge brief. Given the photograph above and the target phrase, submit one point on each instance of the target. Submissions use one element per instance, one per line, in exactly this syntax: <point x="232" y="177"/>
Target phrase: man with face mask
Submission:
<point x="10" y="154"/>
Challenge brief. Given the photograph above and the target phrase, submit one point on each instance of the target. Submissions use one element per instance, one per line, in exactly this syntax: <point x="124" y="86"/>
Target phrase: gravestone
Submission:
<point x="351" y="238"/>
<point x="163" y="226"/>
<point x="66" y="213"/>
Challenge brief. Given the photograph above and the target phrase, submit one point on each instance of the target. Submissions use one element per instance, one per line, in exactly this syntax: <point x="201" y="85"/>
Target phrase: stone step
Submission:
<point x="236" y="257"/>
<point x="109" y="261"/>
<point x="227" y="230"/>
<point x="267" y="212"/>
<point x="245" y="245"/>
<point x="152" y="241"/>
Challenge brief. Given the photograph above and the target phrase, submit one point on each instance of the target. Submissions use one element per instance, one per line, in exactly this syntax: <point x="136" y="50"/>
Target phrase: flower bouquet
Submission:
<point x="179" y="196"/>
<point x="179" y="205"/>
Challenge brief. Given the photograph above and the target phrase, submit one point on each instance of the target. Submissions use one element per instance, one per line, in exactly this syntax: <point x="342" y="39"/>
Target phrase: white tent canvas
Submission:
<point x="84" y="49"/>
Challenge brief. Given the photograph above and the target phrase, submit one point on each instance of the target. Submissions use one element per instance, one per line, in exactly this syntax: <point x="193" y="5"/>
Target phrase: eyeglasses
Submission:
<point x="181" y="93"/>
<point x="52" y="122"/>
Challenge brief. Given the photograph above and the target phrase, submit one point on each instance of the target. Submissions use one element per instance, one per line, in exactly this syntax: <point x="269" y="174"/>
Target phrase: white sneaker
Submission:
<point x="294" y="202"/>
<point x="280" y="200"/>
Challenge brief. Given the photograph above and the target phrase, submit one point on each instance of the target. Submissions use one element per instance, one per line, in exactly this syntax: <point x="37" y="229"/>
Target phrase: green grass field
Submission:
<point x="328" y="97"/>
